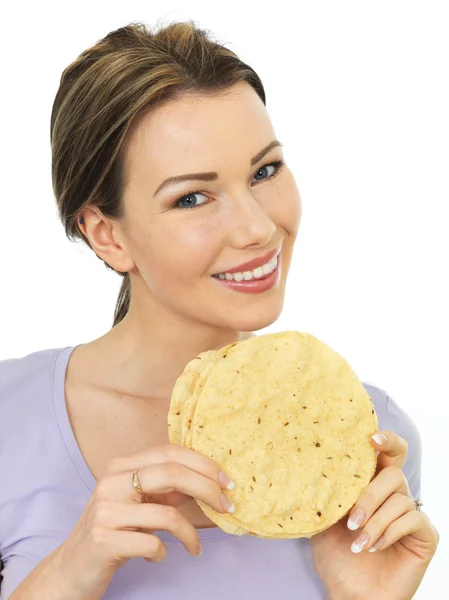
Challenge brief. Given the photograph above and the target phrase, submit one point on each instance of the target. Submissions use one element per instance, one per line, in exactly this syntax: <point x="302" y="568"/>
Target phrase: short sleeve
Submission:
<point x="399" y="422"/>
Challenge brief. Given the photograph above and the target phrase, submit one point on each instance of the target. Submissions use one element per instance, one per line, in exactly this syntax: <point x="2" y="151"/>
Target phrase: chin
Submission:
<point x="257" y="318"/>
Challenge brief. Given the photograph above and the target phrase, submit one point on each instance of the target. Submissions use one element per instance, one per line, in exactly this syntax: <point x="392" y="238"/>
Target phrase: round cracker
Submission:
<point x="183" y="388"/>
<point x="190" y="404"/>
<point x="297" y="470"/>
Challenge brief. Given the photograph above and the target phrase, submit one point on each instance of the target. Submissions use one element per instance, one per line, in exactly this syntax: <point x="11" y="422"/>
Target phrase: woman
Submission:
<point x="89" y="478"/>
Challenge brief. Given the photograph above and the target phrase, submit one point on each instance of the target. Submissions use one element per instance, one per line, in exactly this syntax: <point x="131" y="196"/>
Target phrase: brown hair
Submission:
<point x="128" y="73"/>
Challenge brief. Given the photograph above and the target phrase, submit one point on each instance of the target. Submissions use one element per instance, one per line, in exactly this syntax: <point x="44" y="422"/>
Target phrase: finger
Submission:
<point x="173" y="453"/>
<point x="129" y="544"/>
<point x="415" y="532"/>
<point x="162" y="479"/>
<point x="389" y="481"/>
<point x="392" y="449"/>
<point x="394" y="507"/>
<point x="150" y="517"/>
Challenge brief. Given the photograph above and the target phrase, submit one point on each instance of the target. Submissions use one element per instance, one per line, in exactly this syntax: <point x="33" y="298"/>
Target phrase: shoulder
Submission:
<point x="394" y="418"/>
<point x="17" y="373"/>
<point x="26" y="403"/>
<point x="22" y="381"/>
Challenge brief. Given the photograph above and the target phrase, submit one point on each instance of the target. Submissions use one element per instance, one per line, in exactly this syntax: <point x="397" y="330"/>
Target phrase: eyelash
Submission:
<point x="278" y="164"/>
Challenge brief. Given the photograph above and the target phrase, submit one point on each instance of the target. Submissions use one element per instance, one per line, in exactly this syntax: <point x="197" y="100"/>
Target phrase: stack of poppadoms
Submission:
<point x="286" y="417"/>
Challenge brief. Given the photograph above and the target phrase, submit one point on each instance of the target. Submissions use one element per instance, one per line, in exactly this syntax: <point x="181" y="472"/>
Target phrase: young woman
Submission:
<point x="165" y="162"/>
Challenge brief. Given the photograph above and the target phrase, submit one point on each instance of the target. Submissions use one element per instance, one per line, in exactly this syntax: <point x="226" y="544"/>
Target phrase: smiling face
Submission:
<point x="178" y="237"/>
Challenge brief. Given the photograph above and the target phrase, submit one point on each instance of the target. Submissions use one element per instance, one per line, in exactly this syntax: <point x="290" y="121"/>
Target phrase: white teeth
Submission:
<point x="267" y="268"/>
<point x="258" y="272"/>
<point x="254" y="274"/>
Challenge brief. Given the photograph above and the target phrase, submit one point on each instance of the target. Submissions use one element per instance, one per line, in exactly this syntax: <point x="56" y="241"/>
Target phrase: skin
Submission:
<point x="178" y="310"/>
<point x="404" y="538"/>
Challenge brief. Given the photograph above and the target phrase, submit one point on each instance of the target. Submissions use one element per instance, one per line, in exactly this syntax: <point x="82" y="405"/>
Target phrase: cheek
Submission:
<point x="286" y="209"/>
<point x="295" y="212"/>
<point x="178" y="252"/>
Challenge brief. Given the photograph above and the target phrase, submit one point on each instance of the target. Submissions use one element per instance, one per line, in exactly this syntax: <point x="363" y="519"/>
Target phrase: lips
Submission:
<point x="254" y="263"/>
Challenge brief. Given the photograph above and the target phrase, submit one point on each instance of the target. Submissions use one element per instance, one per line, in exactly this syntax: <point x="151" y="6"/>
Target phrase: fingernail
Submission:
<point x="356" y="519"/>
<point x="227" y="504"/>
<point x="380" y="438"/>
<point x="360" y="543"/>
<point x="377" y="545"/>
<point x="199" y="550"/>
<point x="225" y="481"/>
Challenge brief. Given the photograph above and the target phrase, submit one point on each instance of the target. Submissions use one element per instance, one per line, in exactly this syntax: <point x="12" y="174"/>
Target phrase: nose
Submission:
<point x="249" y="223"/>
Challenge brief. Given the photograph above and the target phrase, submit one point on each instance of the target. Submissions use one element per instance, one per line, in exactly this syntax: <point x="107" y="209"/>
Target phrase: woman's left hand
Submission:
<point x="404" y="538"/>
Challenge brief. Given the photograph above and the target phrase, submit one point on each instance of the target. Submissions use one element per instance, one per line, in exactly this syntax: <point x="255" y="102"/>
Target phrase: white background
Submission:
<point x="358" y="94"/>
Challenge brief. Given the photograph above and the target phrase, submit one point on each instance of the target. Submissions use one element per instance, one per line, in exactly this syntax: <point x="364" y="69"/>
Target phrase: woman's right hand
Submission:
<point x="118" y="521"/>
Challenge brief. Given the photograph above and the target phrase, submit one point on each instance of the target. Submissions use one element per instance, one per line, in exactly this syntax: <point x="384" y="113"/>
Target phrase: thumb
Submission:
<point x="392" y="449"/>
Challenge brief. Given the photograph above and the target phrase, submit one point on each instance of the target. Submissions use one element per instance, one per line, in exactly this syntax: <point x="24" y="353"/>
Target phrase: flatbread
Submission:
<point x="287" y="418"/>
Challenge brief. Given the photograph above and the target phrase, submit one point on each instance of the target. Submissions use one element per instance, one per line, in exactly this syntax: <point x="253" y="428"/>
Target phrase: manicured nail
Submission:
<point x="356" y="519"/>
<point x="225" y="481"/>
<point x="360" y="543"/>
<point x="227" y="504"/>
<point x="380" y="438"/>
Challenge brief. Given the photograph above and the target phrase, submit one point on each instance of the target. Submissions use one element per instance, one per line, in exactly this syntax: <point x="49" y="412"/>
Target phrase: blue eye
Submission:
<point x="187" y="202"/>
<point x="262" y="168"/>
<point x="187" y="199"/>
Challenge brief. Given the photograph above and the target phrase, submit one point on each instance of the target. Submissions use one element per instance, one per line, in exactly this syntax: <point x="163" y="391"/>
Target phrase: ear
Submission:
<point x="106" y="237"/>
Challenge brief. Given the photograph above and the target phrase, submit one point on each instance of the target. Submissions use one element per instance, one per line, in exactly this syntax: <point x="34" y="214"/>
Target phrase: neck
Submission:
<point x="143" y="357"/>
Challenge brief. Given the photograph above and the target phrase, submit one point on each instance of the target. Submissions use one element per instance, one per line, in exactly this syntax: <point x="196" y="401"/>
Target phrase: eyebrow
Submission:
<point x="212" y="175"/>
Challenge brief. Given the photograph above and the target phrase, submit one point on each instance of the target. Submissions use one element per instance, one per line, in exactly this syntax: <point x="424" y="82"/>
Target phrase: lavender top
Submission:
<point x="45" y="484"/>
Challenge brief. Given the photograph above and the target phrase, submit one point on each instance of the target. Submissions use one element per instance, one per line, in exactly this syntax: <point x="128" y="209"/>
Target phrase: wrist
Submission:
<point x="337" y="596"/>
<point x="60" y="588"/>
<point x="45" y="581"/>
<point x="68" y="583"/>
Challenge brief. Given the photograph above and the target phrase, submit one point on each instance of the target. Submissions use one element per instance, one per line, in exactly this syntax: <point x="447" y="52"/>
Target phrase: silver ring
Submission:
<point x="418" y="504"/>
<point x="136" y="482"/>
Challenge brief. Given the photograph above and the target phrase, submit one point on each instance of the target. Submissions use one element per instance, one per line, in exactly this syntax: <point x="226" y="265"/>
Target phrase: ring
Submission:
<point x="136" y="482"/>
<point x="418" y="504"/>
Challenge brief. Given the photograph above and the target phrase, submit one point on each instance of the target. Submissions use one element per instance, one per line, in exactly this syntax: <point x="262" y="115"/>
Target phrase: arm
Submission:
<point x="44" y="581"/>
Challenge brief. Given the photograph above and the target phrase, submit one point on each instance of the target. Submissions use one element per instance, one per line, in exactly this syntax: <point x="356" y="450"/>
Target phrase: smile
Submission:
<point x="258" y="273"/>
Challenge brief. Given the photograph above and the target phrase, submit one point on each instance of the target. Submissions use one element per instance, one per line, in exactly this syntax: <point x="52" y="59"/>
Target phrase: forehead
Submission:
<point x="196" y="130"/>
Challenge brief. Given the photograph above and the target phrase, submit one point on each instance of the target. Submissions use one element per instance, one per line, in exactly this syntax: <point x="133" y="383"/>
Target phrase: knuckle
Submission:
<point x="173" y="471"/>
<point x="214" y="491"/>
<point x="171" y="452"/>
<point x="102" y="512"/>
<point x="402" y="480"/>
<point x="154" y="545"/>
<point x="367" y="499"/>
<point x="437" y="536"/>
<point x="417" y="518"/>
<point x="410" y="502"/>
<point x="99" y="537"/>
<point x="102" y="488"/>
<point x="402" y="501"/>
<point x="172" y="516"/>
<point x="398" y="497"/>
<point x="397" y="476"/>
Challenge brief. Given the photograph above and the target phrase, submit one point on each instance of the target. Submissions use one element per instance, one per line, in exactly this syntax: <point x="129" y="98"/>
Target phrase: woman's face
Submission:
<point x="180" y="235"/>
